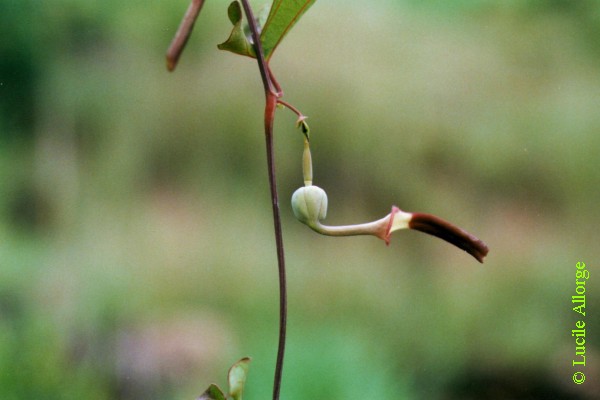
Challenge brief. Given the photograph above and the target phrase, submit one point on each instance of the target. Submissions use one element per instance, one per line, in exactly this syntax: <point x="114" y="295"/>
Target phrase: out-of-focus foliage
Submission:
<point x="136" y="250"/>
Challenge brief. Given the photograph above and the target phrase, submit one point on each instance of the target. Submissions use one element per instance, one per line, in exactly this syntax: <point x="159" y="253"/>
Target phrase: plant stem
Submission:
<point x="183" y="33"/>
<point x="291" y="108"/>
<point x="270" y="107"/>
<point x="272" y="92"/>
<point x="265" y="72"/>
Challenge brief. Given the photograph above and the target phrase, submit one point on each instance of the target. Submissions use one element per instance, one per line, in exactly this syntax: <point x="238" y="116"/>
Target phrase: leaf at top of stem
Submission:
<point x="212" y="393"/>
<point x="273" y="22"/>
<point x="237" y="378"/>
<point x="238" y="41"/>
<point x="282" y="17"/>
<point x="240" y="38"/>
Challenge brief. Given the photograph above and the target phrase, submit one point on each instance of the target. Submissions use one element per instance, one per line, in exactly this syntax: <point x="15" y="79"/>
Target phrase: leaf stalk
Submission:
<point x="183" y="33"/>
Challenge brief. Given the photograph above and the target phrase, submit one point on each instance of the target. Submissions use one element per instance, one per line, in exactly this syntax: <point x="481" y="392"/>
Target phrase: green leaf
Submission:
<point x="239" y="39"/>
<point x="212" y="393"/>
<point x="282" y="17"/>
<point x="237" y="378"/>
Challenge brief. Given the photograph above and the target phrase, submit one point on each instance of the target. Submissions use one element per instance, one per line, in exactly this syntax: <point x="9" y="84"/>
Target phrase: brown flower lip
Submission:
<point x="443" y="229"/>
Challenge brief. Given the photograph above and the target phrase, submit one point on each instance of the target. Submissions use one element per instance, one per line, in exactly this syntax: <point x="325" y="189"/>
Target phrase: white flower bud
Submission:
<point x="309" y="204"/>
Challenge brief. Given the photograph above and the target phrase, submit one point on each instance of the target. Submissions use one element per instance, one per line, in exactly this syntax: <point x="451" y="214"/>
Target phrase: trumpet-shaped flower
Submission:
<point x="309" y="204"/>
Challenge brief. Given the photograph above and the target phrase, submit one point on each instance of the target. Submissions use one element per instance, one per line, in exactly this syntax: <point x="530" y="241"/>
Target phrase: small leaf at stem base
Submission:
<point x="237" y="378"/>
<point x="212" y="393"/>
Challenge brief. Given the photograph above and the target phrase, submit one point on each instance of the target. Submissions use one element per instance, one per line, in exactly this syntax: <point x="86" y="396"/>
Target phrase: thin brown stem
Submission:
<point x="272" y="92"/>
<point x="278" y="89"/>
<point x="291" y="108"/>
<point x="271" y="105"/>
<point x="183" y="33"/>
<point x="265" y="72"/>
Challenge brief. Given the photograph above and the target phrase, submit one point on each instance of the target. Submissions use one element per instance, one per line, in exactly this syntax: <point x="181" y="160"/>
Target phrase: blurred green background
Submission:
<point x="137" y="258"/>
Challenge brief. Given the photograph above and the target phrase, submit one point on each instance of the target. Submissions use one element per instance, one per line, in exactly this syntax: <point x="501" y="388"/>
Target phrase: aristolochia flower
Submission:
<point x="309" y="204"/>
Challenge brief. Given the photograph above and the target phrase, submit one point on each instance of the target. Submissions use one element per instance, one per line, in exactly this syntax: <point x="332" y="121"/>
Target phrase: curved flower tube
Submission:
<point x="309" y="204"/>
